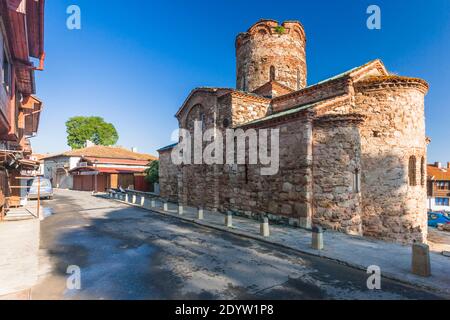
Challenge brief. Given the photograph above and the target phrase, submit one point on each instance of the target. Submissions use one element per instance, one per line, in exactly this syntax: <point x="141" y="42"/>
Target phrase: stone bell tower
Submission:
<point x="270" y="51"/>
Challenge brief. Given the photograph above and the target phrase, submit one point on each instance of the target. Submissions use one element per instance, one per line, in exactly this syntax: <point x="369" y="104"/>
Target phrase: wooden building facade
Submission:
<point x="21" y="38"/>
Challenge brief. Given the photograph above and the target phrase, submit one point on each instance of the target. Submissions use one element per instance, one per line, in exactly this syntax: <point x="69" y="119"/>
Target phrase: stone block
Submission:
<point x="264" y="229"/>
<point x="200" y="214"/>
<point x="229" y="220"/>
<point x="317" y="238"/>
<point x="421" y="265"/>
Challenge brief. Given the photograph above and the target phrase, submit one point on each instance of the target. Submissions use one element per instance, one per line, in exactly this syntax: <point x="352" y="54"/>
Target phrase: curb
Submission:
<point x="310" y="252"/>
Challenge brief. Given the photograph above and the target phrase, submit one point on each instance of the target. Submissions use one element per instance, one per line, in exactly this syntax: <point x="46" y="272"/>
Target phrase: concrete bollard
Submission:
<point x="200" y="214"/>
<point x="317" y="238"/>
<point x="180" y="209"/>
<point x="153" y="203"/>
<point x="265" y="232"/>
<point x="142" y="201"/>
<point x="166" y="206"/>
<point x="133" y="199"/>
<point x="421" y="265"/>
<point x="126" y="198"/>
<point x="229" y="220"/>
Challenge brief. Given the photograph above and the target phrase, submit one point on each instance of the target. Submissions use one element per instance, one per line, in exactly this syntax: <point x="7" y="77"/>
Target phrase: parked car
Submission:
<point x="46" y="189"/>
<point x="435" y="218"/>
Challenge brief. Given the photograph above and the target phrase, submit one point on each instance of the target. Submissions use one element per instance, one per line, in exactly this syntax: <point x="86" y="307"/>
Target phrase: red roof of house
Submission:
<point x="104" y="152"/>
<point x="116" y="161"/>
<point x="109" y="170"/>
<point x="434" y="173"/>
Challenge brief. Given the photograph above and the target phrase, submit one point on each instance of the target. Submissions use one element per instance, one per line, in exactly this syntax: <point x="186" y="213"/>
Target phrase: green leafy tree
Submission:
<point x="152" y="173"/>
<point x="95" y="129"/>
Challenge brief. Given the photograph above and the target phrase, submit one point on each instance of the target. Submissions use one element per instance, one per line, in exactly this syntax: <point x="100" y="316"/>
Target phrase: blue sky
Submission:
<point x="134" y="62"/>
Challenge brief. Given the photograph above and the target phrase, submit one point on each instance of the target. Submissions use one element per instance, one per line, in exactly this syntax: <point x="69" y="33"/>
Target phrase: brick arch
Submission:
<point x="195" y="112"/>
<point x="261" y="26"/>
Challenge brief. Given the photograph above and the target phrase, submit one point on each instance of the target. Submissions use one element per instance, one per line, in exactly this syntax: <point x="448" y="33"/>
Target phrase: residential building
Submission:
<point x="21" y="39"/>
<point x="98" y="168"/>
<point x="438" y="187"/>
<point x="352" y="148"/>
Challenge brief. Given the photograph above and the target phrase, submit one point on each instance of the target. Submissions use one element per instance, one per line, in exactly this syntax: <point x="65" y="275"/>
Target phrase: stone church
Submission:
<point x="352" y="148"/>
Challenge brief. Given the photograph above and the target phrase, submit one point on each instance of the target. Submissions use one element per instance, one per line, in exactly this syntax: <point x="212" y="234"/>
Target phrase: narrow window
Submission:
<point x="244" y="83"/>
<point x="246" y="174"/>
<point x="272" y="73"/>
<point x="299" y="84"/>
<point x="422" y="172"/>
<point x="203" y="121"/>
<point x="412" y="171"/>
<point x="357" y="181"/>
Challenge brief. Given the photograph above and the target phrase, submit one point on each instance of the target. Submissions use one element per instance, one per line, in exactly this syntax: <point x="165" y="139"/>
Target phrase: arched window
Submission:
<point x="272" y="73"/>
<point x="412" y="171"/>
<point x="422" y="172"/>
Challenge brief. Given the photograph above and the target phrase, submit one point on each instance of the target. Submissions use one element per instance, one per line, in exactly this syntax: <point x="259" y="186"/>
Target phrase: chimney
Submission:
<point x="438" y="165"/>
<point x="89" y="144"/>
<point x="448" y="165"/>
<point x="134" y="149"/>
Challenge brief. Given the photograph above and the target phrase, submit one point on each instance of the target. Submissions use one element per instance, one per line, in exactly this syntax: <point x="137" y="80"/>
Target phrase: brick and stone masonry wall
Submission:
<point x="336" y="167"/>
<point x="393" y="132"/>
<point x="244" y="190"/>
<point x="311" y="94"/>
<point x="168" y="173"/>
<point x="267" y="45"/>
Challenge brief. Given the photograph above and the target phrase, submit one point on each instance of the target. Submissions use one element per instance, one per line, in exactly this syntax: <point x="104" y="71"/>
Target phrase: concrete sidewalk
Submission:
<point x="393" y="259"/>
<point x="19" y="245"/>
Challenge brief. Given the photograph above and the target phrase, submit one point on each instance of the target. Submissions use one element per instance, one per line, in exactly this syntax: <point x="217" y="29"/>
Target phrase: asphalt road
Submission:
<point x="129" y="253"/>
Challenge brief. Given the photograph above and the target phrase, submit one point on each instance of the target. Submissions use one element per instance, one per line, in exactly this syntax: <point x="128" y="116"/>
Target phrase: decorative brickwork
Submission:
<point x="266" y="52"/>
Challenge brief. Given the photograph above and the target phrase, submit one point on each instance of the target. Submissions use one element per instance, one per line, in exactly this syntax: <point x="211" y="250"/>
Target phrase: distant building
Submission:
<point x="438" y="187"/>
<point x="39" y="159"/>
<point x="98" y="168"/>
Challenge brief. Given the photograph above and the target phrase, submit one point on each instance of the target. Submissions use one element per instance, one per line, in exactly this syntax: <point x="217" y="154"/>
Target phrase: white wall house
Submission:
<point x="438" y="187"/>
<point x="57" y="169"/>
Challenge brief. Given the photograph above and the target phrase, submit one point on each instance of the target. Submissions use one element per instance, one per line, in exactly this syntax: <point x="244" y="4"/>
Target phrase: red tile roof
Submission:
<point x="116" y="161"/>
<point x="106" y="152"/>
<point x="434" y="173"/>
<point x="109" y="170"/>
